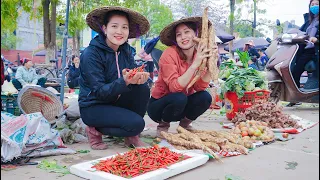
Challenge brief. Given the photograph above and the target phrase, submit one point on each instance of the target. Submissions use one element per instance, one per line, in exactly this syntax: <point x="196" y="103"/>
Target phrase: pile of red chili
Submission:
<point x="135" y="70"/>
<point x="139" y="161"/>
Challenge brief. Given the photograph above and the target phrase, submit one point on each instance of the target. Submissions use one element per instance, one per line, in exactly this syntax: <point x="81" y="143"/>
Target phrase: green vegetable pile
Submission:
<point x="241" y="80"/>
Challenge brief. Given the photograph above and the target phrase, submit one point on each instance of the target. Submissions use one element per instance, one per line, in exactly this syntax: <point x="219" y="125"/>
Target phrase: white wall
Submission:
<point x="86" y="33"/>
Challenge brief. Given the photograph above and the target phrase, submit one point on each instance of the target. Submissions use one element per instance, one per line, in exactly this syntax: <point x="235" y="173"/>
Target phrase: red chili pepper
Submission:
<point x="139" y="161"/>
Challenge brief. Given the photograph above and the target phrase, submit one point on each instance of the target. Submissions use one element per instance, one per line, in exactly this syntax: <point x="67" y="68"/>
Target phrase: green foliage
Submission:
<point x="242" y="80"/>
<point x="158" y="14"/>
<point x="244" y="27"/>
<point x="8" y="40"/>
<point x="10" y="11"/>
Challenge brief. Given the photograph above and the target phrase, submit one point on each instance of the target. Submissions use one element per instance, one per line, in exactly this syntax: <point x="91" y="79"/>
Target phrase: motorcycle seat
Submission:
<point x="53" y="60"/>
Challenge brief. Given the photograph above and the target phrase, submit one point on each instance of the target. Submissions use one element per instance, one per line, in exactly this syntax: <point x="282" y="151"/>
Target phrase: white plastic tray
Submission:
<point x="84" y="170"/>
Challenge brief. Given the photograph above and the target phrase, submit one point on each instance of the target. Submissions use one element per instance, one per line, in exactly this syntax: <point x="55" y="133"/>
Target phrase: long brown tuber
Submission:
<point x="188" y="144"/>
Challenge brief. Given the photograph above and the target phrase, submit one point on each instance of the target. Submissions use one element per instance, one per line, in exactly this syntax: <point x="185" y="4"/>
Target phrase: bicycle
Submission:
<point x="51" y="71"/>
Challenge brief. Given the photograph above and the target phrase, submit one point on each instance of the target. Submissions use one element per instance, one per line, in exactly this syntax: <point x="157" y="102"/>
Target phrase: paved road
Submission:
<point x="264" y="163"/>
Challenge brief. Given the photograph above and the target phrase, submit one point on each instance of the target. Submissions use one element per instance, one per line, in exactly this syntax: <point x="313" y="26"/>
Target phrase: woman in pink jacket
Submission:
<point x="171" y="100"/>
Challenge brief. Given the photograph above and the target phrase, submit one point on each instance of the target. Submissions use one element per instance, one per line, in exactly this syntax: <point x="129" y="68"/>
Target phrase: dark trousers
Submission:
<point x="150" y="66"/>
<point x="303" y="57"/>
<point x="175" y="106"/>
<point x="18" y="85"/>
<point x="124" y="118"/>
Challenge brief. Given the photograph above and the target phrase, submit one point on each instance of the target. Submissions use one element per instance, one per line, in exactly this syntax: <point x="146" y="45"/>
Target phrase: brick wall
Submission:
<point x="12" y="55"/>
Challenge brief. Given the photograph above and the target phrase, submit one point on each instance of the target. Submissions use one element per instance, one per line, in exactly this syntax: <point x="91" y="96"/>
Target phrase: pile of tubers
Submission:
<point x="267" y="112"/>
<point x="208" y="141"/>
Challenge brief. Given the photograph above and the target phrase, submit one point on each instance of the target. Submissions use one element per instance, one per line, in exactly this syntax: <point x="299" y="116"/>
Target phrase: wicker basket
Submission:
<point x="33" y="99"/>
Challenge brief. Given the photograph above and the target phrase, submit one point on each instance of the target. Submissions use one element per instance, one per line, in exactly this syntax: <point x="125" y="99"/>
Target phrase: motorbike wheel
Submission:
<point x="275" y="94"/>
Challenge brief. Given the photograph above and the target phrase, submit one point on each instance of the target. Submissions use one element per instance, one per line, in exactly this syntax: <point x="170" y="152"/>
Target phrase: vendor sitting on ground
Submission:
<point x="26" y="75"/>
<point x="170" y="100"/>
<point x="74" y="73"/>
<point x="111" y="101"/>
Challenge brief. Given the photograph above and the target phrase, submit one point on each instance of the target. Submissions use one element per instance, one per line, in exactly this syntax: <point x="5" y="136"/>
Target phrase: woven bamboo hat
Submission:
<point x="138" y="24"/>
<point x="167" y="35"/>
<point x="33" y="99"/>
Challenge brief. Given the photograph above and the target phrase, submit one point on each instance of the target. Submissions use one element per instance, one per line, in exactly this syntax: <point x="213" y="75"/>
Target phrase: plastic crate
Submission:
<point x="233" y="104"/>
<point x="10" y="105"/>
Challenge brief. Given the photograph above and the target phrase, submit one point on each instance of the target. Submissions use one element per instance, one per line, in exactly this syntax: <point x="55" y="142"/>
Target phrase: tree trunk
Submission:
<point x="254" y="17"/>
<point x="232" y="7"/>
<point x="74" y="44"/>
<point x="50" y="53"/>
<point x="78" y="43"/>
<point x="53" y="26"/>
<point x="49" y="28"/>
<point x="46" y="27"/>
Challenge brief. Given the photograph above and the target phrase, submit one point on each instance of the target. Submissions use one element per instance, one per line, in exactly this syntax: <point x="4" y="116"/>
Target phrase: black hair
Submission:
<point x="73" y="56"/>
<point x="109" y="14"/>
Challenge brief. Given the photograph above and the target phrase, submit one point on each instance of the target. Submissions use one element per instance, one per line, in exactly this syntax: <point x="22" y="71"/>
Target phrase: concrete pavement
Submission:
<point x="264" y="163"/>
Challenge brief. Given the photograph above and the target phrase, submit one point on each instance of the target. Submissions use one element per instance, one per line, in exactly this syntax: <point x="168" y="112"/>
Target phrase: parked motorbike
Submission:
<point x="282" y="55"/>
<point x="9" y="68"/>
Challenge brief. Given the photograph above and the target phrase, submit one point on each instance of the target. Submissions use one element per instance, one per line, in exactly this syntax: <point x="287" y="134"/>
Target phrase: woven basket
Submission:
<point x="33" y="99"/>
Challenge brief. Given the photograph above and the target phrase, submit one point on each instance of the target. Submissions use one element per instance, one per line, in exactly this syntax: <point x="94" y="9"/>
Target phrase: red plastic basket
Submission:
<point x="233" y="104"/>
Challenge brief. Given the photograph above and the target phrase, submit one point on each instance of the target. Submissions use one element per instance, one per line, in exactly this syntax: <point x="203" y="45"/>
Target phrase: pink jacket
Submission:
<point x="171" y="68"/>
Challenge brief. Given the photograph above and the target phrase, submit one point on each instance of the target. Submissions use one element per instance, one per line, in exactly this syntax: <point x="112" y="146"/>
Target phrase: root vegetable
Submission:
<point x="208" y="138"/>
<point x="212" y="62"/>
<point x="213" y="146"/>
<point x="188" y="144"/>
<point x="230" y="147"/>
<point x="190" y="136"/>
<point x="269" y="114"/>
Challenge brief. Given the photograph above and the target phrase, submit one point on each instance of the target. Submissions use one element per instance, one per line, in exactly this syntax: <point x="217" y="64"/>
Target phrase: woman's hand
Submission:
<point x="313" y="39"/>
<point x="77" y="64"/>
<point x="202" y="52"/>
<point x="138" y="78"/>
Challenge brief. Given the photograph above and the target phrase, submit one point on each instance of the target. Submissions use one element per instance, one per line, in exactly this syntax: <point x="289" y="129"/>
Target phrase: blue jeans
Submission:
<point x="124" y="118"/>
<point x="18" y="85"/>
<point x="175" y="106"/>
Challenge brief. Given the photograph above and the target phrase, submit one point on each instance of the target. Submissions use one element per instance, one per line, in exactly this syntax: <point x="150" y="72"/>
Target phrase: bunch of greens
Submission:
<point x="241" y="80"/>
<point x="244" y="58"/>
<point x="226" y="68"/>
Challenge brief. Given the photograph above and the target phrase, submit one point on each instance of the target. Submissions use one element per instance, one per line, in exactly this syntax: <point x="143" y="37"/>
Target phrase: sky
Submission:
<point x="284" y="10"/>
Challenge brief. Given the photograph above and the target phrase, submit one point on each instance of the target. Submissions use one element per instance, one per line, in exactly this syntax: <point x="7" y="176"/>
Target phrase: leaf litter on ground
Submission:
<point x="232" y="177"/>
<point x="52" y="166"/>
<point x="83" y="151"/>
<point x="291" y="165"/>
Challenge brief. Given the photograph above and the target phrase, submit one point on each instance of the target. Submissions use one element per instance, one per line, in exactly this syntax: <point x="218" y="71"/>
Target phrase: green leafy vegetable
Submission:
<point x="52" y="166"/>
<point x="244" y="57"/>
<point x="242" y="80"/>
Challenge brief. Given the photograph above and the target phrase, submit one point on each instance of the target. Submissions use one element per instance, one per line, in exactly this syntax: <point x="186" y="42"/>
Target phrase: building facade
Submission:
<point x="29" y="33"/>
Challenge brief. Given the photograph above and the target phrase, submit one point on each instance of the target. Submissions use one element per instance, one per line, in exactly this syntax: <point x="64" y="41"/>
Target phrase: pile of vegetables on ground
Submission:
<point x="254" y="131"/>
<point x="139" y="161"/>
<point x="241" y="80"/>
<point x="267" y="112"/>
<point x="208" y="141"/>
